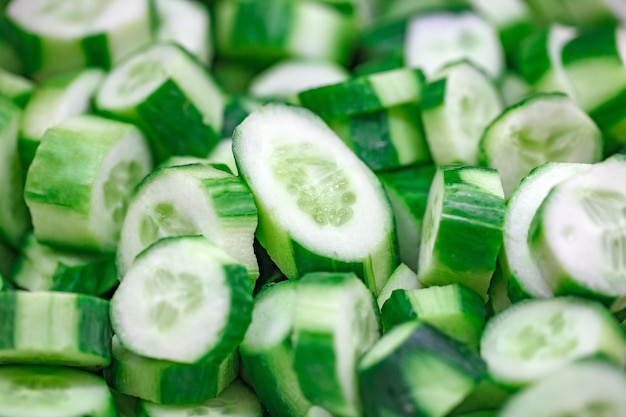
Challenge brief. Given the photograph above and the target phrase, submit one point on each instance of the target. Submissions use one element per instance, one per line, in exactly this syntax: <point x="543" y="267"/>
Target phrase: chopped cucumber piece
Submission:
<point x="458" y="103"/>
<point x="543" y="128"/>
<point x="417" y="370"/>
<point x="403" y="278"/>
<point x="462" y="228"/>
<point x="54" y="328"/>
<point x="52" y="36"/>
<point x="534" y="338"/>
<point x="184" y="300"/>
<point x="79" y="183"/>
<point x="43" y="391"/>
<point x="336" y="320"/>
<point x="190" y="200"/>
<point x="519" y="266"/>
<point x="320" y="207"/>
<point x="170" y="96"/>
<point x="165" y="382"/>
<point x="577" y="234"/>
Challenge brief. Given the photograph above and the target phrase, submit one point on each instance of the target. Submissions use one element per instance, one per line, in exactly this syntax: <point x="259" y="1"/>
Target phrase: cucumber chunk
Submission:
<point x="402" y="278"/>
<point x="183" y="300"/>
<point x="320" y="207"/>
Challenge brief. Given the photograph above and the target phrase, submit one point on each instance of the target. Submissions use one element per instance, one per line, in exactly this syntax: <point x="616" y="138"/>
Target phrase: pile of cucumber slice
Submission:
<point x="312" y="208"/>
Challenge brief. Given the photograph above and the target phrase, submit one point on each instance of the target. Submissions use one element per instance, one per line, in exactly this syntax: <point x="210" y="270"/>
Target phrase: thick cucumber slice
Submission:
<point x="436" y="39"/>
<point x="320" y="207"/>
<point x="43" y="268"/>
<point x="170" y="96"/>
<point x="454" y="309"/>
<point x="417" y="370"/>
<point x="533" y="338"/>
<point x="80" y="181"/>
<point x="236" y="401"/>
<point x="407" y="190"/>
<point x="365" y="94"/>
<point x="586" y="388"/>
<point x="462" y="228"/>
<point x="40" y="391"/>
<point x="187" y="23"/>
<point x="336" y="320"/>
<point x="386" y="139"/>
<point x="403" y="278"/>
<point x="166" y="382"/>
<point x="183" y="300"/>
<point x="276" y="29"/>
<point x="14" y="219"/>
<point x="457" y="104"/>
<point x="54" y="328"/>
<point x="577" y="234"/>
<point x="53" y="102"/>
<point x="286" y="79"/>
<point x="15" y="88"/>
<point x="190" y="200"/>
<point x="543" y="128"/>
<point x="53" y="36"/>
<point x="519" y="267"/>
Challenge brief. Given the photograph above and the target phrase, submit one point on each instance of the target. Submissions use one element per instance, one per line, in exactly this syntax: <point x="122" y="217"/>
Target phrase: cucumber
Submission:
<point x="43" y="268"/>
<point x="458" y="103"/>
<point x="14" y="218"/>
<point x="576" y="13"/>
<point x="170" y="95"/>
<point x="403" y="278"/>
<point x="43" y="391"/>
<point x="190" y="200"/>
<point x="513" y="88"/>
<point x="534" y="338"/>
<point x="196" y="308"/>
<point x="320" y="207"/>
<point x="237" y="108"/>
<point x="52" y="102"/>
<point x="165" y="382"/>
<point x="519" y="266"/>
<point x="590" y="387"/>
<point x="16" y="88"/>
<point x="487" y="396"/>
<point x="53" y="36"/>
<point x="417" y="370"/>
<point x="436" y="39"/>
<point x="543" y="128"/>
<point x="336" y="320"/>
<point x="576" y="235"/>
<point x="54" y="328"/>
<point x="79" y="183"/>
<point x="462" y="228"/>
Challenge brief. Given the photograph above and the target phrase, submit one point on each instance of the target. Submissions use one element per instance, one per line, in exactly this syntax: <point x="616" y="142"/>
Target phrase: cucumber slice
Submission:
<point x="15" y="88"/>
<point x="14" y="219"/>
<point x="457" y="105"/>
<point x="592" y="388"/>
<point x="52" y="36"/>
<point x="543" y="128"/>
<point x="417" y="370"/>
<point x="44" y="268"/>
<point x="513" y="88"/>
<point x="364" y="94"/>
<point x="165" y="382"/>
<point x="403" y="278"/>
<point x="407" y="190"/>
<point x="577" y="233"/>
<point x="436" y="39"/>
<point x="190" y="200"/>
<point x="535" y="338"/>
<point x="54" y="328"/>
<point x="462" y="228"/>
<point x="187" y="23"/>
<point x="320" y="207"/>
<point x="336" y="320"/>
<point x="80" y="181"/>
<point x="53" y="102"/>
<point x="519" y="267"/>
<point x="196" y="308"/>
<point x="237" y="401"/>
<point x="170" y="96"/>
<point x="39" y="391"/>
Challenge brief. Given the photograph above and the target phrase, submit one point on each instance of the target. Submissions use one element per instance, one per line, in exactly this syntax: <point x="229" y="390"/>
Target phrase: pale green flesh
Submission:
<point x="164" y="220"/>
<point x="118" y="187"/>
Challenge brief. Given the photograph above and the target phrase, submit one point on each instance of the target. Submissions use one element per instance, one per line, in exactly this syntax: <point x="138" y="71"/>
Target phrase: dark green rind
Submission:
<point x="8" y="307"/>
<point x="409" y="185"/>
<point x="96" y="50"/>
<point x="533" y="56"/>
<point x="351" y="97"/>
<point x="95" y="278"/>
<point x="26" y="149"/>
<point x="397" y="309"/>
<point x="383" y="63"/>
<point x="487" y="397"/>
<point x="599" y="42"/>
<point x="371" y="140"/>
<point x="231" y="197"/>
<point x="94" y="327"/>
<point x="27" y="45"/>
<point x="167" y="382"/>
<point x="434" y="94"/>
<point x="236" y="110"/>
<point x="512" y="36"/>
